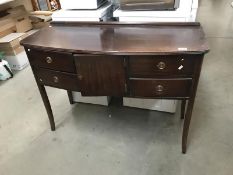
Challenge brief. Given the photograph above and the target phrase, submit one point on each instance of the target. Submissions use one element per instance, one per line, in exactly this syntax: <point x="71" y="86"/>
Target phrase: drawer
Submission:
<point x="60" y="61"/>
<point x="57" y="79"/>
<point x="161" y="87"/>
<point x="154" y="66"/>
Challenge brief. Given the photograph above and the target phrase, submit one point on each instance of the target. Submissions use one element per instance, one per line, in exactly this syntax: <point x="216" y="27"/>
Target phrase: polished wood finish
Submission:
<point x="47" y="106"/>
<point x="191" y="101"/>
<point x="52" y="60"/>
<point x="101" y="75"/>
<point x="121" y="39"/>
<point x="162" y="65"/>
<point x="160" y="87"/>
<point x="46" y="102"/>
<point x="57" y="79"/>
<point x="183" y="108"/>
<point x="153" y="60"/>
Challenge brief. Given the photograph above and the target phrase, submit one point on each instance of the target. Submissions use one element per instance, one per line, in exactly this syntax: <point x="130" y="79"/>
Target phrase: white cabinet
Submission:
<point x="81" y="4"/>
<point x="185" y="13"/>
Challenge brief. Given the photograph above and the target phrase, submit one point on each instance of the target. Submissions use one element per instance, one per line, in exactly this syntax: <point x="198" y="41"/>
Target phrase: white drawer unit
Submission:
<point x="83" y="15"/>
<point x="81" y="4"/>
<point x="186" y="12"/>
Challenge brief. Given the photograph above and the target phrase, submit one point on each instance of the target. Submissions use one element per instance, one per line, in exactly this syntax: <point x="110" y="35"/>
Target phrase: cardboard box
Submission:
<point x="40" y="21"/>
<point x="17" y="11"/>
<point x="7" y="31"/>
<point x="39" y="25"/>
<point x="16" y="21"/>
<point x="7" y="26"/>
<point x="12" y="40"/>
<point x="23" y="24"/>
<point x="21" y="18"/>
<point x="18" y="62"/>
<point x="15" y="54"/>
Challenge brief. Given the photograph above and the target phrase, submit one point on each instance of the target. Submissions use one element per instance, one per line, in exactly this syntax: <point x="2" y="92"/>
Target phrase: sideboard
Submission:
<point x="142" y="60"/>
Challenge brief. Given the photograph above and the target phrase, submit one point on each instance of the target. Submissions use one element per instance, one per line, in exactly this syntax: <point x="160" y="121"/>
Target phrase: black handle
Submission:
<point x="9" y="71"/>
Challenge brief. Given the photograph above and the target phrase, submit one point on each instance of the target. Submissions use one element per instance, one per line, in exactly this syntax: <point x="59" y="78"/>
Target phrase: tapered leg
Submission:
<point x="183" y="106"/>
<point x="187" y="120"/>
<point x="47" y="105"/>
<point x="70" y="97"/>
<point x="190" y="105"/>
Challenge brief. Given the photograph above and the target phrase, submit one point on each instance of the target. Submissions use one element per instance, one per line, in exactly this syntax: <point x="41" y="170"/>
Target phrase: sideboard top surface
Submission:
<point x="121" y="38"/>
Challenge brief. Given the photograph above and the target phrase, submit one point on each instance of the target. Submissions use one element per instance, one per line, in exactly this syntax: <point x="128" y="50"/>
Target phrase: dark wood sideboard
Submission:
<point x="142" y="60"/>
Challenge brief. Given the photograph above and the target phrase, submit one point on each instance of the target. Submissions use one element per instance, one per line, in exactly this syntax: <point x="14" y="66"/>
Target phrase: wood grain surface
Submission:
<point x="118" y="39"/>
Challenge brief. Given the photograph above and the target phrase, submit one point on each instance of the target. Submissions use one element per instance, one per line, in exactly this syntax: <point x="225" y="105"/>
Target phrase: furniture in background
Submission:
<point x="186" y="12"/>
<point x="82" y="5"/>
<point x="116" y="59"/>
<point x="129" y="5"/>
<point x="45" y="5"/>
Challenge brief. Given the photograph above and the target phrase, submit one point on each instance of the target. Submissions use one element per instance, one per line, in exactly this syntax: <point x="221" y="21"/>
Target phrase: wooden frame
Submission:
<point x="83" y="71"/>
<point x="37" y="6"/>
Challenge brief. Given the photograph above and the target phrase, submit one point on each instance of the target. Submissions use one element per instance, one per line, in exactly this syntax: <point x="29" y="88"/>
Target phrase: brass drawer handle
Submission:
<point x="49" y="60"/>
<point x="159" y="89"/>
<point x="161" y="65"/>
<point x="55" y="79"/>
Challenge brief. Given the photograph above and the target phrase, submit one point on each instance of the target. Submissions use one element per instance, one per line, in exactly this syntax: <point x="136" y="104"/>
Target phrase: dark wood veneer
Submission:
<point x="160" y="87"/>
<point x="101" y="75"/>
<point x="162" y="65"/>
<point x="52" y="60"/>
<point x="57" y="79"/>
<point x="121" y="39"/>
<point x="120" y="59"/>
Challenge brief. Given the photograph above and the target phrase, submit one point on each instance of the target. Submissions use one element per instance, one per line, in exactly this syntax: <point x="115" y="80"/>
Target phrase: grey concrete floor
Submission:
<point x="130" y="142"/>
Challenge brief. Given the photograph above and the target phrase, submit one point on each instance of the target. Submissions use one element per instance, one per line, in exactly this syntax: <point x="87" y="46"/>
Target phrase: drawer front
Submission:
<point x="57" y="79"/>
<point x="161" y="87"/>
<point x="154" y="66"/>
<point x="52" y="60"/>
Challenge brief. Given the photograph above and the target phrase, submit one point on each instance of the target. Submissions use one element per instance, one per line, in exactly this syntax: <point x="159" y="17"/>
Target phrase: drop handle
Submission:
<point x="159" y="88"/>
<point x="49" y="60"/>
<point x="55" y="79"/>
<point x="161" y="65"/>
